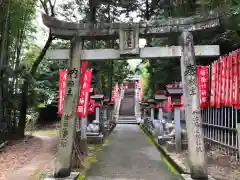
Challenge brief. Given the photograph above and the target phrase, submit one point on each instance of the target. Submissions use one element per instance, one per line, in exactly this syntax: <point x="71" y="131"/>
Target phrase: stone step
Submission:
<point x="122" y="117"/>
<point x="127" y="122"/>
<point x="119" y="119"/>
<point x="135" y="122"/>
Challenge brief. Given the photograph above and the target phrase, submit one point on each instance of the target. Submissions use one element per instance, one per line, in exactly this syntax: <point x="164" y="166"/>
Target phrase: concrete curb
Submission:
<point x="162" y="151"/>
<point x="188" y="177"/>
<point x="175" y="163"/>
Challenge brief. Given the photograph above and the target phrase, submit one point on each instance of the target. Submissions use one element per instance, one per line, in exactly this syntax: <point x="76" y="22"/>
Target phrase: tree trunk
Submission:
<point x="110" y="74"/>
<point x="4" y="35"/>
<point x="110" y="44"/>
<point x="25" y="88"/>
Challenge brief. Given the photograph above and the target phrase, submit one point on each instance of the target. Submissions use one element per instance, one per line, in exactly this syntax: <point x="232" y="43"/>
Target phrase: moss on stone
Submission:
<point x="107" y="140"/>
<point x="91" y="159"/>
<point x="152" y="142"/>
<point x="53" y="132"/>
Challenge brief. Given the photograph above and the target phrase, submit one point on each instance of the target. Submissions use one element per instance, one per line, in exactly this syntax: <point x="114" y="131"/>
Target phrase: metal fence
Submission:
<point x="220" y="129"/>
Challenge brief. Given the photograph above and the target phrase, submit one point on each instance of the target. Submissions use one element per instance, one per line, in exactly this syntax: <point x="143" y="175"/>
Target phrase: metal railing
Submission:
<point x="220" y="128"/>
<point x="117" y="105"/>
<point x="137" y="107"/>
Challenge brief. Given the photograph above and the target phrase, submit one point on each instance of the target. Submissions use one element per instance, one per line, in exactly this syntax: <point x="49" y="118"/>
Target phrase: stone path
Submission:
<point x="129" y="156"/>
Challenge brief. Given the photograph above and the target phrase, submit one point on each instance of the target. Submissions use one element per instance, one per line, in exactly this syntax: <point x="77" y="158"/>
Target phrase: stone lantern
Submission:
<point x="160" y="96"/>
<point x="98" y="98"/>
<point x="152" y="104"/>
<point x="144" y="111"/>
<point x="105" y="107"/>
<point x="112" y="122"/>
<point x="175" y="91"/>
<point x="105" y="116"/>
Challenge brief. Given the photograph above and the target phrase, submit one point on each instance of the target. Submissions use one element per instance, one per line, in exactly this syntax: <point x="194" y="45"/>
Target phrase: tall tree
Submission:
<point x="48" y="7"/>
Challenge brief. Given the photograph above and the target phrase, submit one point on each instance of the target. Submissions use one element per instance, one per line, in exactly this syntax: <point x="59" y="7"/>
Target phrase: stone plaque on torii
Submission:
<point x="129" y="35"/>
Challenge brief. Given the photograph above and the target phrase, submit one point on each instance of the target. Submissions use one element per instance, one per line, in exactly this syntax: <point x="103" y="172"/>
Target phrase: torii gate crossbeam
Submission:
<point x="147" y="52"/>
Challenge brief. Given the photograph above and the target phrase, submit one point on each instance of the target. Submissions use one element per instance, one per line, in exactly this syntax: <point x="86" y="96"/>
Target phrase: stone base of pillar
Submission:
<point x="73" y="176"/>
<point x="84" y="147"/>
<point x="106" y="132"/>
<point x="198" y="173"/>
<point x="95" y="139"/>
<point x="171" y="146"/>
<point x="163" y="139"/>
<point x="188" y="177"/>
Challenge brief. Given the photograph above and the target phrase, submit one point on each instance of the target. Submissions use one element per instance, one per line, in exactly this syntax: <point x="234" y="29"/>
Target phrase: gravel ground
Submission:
<point x="27" y="158"/>
<point x="219" y="165"/>
<point x="129" y="156"/>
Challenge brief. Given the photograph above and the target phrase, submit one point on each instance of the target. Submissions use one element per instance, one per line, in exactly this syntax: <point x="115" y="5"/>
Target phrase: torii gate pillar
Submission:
<point x="68" y="121"/>
<point x="196" y="151"/>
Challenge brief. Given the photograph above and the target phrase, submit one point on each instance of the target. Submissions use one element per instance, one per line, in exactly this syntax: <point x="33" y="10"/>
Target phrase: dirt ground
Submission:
<point x="219" y="165"/>
<point x="27" y="158"/>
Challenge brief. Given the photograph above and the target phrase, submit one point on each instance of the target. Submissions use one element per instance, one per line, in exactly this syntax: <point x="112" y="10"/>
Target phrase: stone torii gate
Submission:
<point x="129" y="35"/>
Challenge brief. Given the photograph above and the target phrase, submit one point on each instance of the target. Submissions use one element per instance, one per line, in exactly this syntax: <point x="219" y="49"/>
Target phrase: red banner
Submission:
<point x="167" y="105"/>
<point x="230" y="80"/>
<point x="61" y="91"/>
<point x="115" y="93"/>
<point x="213" y="85"/>
<point x="139" y="90"/>
<point x="225" y="82"/>
<point x="227" y="103"/>
<point x="203" y="84"/>
<point x="182" y="102"/>
<point x="91" y="107"/>
<point x="235" y="78"/>
<point x="223" y="61"/>
<point x="140" y="95"/>
<point x="218" y="84"/>
<point x="82" y="109"/>
<point x="83" y="70"/>
<point x="238" y="88"/>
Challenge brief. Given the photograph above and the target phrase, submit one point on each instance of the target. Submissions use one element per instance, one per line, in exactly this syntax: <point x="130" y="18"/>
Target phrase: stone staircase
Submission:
<point x="127" y="112"/>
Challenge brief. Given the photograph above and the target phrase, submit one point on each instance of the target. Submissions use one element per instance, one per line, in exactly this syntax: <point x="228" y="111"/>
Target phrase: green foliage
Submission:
<point x="163" y="71"/>
<point x="18" y="52"/>
<point x="16" y="33"/>
<point x="142" y="69"/>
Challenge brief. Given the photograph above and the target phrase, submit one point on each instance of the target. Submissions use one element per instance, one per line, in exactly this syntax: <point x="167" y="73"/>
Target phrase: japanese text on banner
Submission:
<point x="115" y="93"/>
<point x="91" y="107"/>
<point x="213" y="85"/>
<point x="227" y="84"/>
<point x="238" y="87"/>
<point x="218" y="84"/>
<point x="61" y="91"/>
<point x="82" y="109"/>
<point x="83" y="71"/>
<point x="235" y="78"/>
<point x="203" y="84"/>
<point x="230" y="61"/>
<point x="223" y="61"/>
